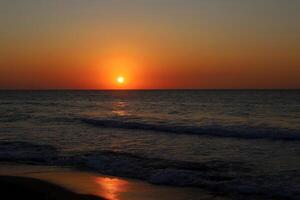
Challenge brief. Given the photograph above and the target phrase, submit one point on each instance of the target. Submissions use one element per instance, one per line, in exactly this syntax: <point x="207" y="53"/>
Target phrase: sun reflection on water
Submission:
<point x="111" y="188"/>
<point x="118" y="108"/>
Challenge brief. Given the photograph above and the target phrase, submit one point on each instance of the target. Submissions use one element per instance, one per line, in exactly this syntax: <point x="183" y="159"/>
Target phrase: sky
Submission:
<point x="153" y="44"/>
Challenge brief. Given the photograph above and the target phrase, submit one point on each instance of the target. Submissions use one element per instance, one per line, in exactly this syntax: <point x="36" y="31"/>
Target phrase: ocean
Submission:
<point x="228" y="141"/>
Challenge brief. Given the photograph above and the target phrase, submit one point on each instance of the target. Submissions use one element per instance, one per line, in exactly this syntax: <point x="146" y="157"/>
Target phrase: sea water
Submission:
<point x="232" y="141"/>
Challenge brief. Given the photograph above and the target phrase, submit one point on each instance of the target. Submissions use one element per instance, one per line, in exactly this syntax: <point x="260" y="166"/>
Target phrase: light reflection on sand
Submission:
<point x="111" y="188"/>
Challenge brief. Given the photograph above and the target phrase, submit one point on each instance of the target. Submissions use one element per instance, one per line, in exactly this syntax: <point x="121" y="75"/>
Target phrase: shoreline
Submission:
<point x="14" y="187"/>
<point x="64" y="182"/>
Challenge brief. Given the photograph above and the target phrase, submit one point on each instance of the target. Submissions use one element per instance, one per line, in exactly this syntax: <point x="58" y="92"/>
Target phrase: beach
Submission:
<point x="13" y="187"/>
<point x="150" y="100"/>
<point x="44" y="182"/>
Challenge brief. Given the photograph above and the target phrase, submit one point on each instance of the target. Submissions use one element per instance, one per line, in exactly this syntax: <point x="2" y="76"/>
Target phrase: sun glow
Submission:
<point x="120" y="79"/>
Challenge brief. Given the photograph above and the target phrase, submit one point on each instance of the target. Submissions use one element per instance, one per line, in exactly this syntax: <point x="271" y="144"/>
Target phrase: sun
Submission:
<point x="120" y="79"/>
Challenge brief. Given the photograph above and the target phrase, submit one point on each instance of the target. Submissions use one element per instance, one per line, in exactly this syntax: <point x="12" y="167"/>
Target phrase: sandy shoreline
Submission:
<point x="66" y="183"/>
<point x="13" y="187"/>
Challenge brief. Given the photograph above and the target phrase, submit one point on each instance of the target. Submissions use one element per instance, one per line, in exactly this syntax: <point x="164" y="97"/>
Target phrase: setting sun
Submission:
<point x="120" y="79"/>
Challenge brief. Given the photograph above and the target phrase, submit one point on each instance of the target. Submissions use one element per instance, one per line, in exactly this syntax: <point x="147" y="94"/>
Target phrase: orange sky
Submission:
<point x="153" y="44"/>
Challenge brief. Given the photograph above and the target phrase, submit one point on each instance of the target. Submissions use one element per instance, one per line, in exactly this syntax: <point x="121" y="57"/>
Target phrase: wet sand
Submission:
<point x="63" y="183"/>
<point x="12" y="187"/>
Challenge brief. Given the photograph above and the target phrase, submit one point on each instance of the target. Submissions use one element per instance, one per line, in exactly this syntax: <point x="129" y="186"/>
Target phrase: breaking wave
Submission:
<point x="215" y="175"/>
<point x="242" y="131"/>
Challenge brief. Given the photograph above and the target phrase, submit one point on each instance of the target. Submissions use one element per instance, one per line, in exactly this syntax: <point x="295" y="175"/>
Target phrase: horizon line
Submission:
<point x="151" y="89"/>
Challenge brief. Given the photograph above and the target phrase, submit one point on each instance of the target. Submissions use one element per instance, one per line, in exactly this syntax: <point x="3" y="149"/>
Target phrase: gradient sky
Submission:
<point x="86" y="44"/>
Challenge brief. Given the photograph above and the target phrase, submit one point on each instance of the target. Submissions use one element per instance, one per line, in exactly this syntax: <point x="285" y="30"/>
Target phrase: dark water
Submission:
<point x="229" y="141"/>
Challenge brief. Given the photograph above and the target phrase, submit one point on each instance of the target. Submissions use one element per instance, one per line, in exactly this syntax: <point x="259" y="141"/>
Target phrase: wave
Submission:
<point x="215" y="175"/>
<point x="26" y="152"/>
<point x="242" y="131"/>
